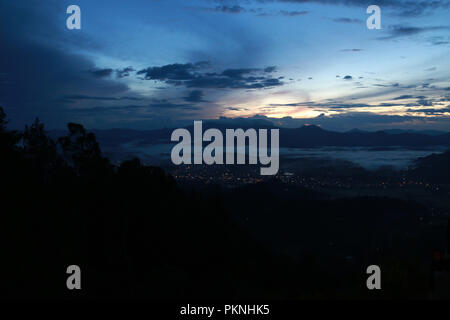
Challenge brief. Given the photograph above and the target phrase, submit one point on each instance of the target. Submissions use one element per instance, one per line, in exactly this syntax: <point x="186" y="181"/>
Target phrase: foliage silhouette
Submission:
<point x="132" y="231"/>
<point x="136" y="234"/>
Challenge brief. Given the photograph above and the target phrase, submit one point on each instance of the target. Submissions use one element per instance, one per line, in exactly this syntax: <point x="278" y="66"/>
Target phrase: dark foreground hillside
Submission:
<point x="136" y="234"/>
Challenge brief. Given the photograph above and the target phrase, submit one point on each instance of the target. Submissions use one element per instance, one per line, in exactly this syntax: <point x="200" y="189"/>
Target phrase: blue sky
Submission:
<point x="152" y="63"/>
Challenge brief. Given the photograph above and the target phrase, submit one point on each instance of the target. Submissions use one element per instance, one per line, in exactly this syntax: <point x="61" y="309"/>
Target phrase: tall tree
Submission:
<point x="8" y="139"/>
<point x="82" y="150"/>
<point x="39" y="147"/>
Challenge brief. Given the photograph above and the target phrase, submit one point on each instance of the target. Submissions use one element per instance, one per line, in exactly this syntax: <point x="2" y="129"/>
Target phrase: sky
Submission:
<point x="146" y="64"/>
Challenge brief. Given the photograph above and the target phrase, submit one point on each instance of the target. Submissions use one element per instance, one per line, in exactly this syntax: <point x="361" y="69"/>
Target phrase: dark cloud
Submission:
<point x="425" y="102"/>
<point x="102" y="109"/>
<point x="404" y="8"/>
<point x="176" y="71"/>
<point x="398" y="31"/>
<point x="347" y="20"/>
<point x="351" y="50"/>
<point x="191" y="75"/>
<point x="134" y="108"/>
<point x="230" y="9"/>
<point x="236" y="9"/>
<point x="215" y="82"/>
<point x="237" y="73"/>
<point x="285" y="13"/>
<point x="391" y="85"/>
<point x="125" y="72"/>
<point x="326" y="106"/>
<point x="439" y="42"/>
<point x="348" y="78"/>
<point x="344" y="107"/>
<point x="430" y="111"/>
<point x="330" y="105"/>
<point x="167" y="105"/>
<point x="270" y="69"/>
<point x="403" y="97"/>
<point x="100" y="73"/>
<point x="84" y="97"/>
<point x="194" y="96"/>
<point x="293" y="13"/>
<point x="236" y="109"/>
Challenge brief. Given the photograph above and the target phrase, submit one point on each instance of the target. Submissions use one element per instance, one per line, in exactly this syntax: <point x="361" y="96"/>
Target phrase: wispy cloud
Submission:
<point x="347" y="20"/>
<point x="398" y="31"/>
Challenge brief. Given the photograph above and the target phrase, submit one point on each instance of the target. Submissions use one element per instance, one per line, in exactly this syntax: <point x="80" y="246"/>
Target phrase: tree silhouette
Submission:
<point x="8" y="139"/>
<point x="3" y="121"/>
<point x="81" y="150"/>
<point x="39" y="148"/>
<point x="136" y="234"/>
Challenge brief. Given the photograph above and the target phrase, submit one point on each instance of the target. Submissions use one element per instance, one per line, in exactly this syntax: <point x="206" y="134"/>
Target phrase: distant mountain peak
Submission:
<point x="356" y="130"/>
<point x="311" y="127"/>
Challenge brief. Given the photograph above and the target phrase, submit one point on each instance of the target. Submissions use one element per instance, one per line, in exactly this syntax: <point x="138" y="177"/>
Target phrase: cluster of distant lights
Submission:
<point x="312" y="182"/>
